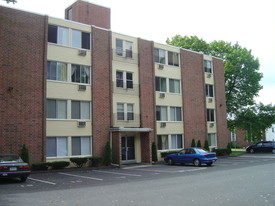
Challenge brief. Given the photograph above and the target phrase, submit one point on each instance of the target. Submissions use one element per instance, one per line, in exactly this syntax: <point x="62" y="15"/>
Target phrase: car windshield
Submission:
<point x="202" y="151"/>
<point x="10" y="158"/>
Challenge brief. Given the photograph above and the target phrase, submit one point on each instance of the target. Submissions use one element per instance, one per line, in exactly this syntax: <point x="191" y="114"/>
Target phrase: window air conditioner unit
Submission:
<point x="163" y="124"/>
<point x="161" y="95"/>
<point x="81" y="124"/>
<point x="209" y="75"/>
<point x="211" y="124"/>
<point x="81" y="87"/>
<point x="161" y="66"/>
<point x="82" y="52"/>
<point x="210" y="99"/>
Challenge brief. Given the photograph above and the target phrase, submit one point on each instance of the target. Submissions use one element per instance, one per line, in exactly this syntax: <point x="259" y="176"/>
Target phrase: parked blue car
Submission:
<point x="196" y="156"/>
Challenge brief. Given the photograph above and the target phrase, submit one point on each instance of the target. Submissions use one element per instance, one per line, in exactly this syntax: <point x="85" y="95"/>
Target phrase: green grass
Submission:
<point x="236" y="153"/>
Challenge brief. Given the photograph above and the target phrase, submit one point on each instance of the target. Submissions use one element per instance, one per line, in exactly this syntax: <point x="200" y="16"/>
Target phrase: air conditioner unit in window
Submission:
<point x="82" y="52"/>
<point x="81" y="87"/>
<point x="163" y="124"/>
<point x="209" y="75"/>
<point x="161" y="66"/>
<point x="161" y="95"/>
<point x="211" y="124"/>
<point x="210" y="99"/>
<point x="81" y="124"/>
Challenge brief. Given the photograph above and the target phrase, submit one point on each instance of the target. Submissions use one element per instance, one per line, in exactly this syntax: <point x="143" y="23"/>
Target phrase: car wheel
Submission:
<point x="273" y="151"/>
<point x="251" y="151"/>
<point x="170" y="161"/>
<point x="197" y="162"/>
<point x="209" y="164"/>
<point x="23" y="178"/>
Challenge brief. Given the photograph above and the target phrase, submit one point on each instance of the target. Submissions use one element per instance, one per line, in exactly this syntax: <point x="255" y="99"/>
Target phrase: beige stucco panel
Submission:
<point x="171" y="128"/>
<point x="70" y="24"/>
<point x="167" y="47"/>
<point x="169" y="100"/>
<point x="67" y="128"/>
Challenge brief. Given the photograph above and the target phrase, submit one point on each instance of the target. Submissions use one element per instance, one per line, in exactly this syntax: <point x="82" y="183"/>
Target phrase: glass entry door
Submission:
<point x="128" y="149"/>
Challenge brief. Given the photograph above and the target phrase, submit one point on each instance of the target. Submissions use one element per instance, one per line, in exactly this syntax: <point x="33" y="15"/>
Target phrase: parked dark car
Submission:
<point x="263" y="146"/>
<point x="196" y="156"/>
<point x="12" y="166"/>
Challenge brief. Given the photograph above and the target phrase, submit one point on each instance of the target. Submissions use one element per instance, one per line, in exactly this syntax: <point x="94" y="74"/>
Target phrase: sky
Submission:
<point x="251" y="23"/>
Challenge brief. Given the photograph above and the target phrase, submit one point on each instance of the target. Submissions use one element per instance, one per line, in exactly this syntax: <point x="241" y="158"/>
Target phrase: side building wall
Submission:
<point x="23" y="39"/>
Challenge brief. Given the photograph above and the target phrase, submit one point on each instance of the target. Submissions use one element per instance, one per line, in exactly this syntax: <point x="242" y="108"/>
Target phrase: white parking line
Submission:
<point x="47" y="182"/>
<point x="117" y="173"/>
<point x="90" y="178"/>
<point x="192" y="170"/>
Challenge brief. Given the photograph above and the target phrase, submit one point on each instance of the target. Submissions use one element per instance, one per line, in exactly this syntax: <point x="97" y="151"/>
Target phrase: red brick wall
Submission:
<point x="87" y="13"/>
<point x="223" y="134"/>
<point x="147" y="95"/>
<point x="193" y="89"/>
<point x="116" y="147"/>
<point x="240" y="139"/>
<point x="101" y="88"/>
<point x="22" y="63"/>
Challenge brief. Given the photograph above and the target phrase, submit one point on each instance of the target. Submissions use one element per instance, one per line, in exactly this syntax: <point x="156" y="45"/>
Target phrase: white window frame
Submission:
<point x="58" y="152"/>
<point x="82" y="144"/>
<point x="125" y="111"/>
<point x="209" y="138"/>
<point x="207" y="69"/>
<point x="209" y="119"/>
<point x="56" y="108"/>
<point x="59" y="66"/>
<point x="174" y="80"/>
<point x="80" y="110"/>
<point x="208" y="90"/>
<point x="124" y="51"/>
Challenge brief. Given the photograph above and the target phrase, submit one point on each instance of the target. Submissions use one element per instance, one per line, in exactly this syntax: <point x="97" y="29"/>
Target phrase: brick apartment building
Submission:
<point x="69" y="86"/>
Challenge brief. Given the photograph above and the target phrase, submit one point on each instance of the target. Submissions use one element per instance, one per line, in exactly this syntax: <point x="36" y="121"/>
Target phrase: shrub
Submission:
<point x="40" y="166"/>
<point x="206" y="145"/>
<point x="79" y="161"/>
<point x="95" y="161"/>
<point x="199" y="144"/>
<point x="164" y="154"/>
<point x="221" y="152"/>
<point x="25" y="154"/>
<point x="229" y="148"/>
<point x="59" y="164"/>
<point x="154" y="152"/>
<point x="193" y="144"/>
<point x="108" y="154"/>
<point x="234" y="145"/>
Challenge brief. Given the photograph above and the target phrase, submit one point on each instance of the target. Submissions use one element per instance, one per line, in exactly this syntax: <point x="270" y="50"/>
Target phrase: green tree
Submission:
<point x="154" y="152"/>
<point x="206" y="145"/>
<point x="193" y="144"/>
<point x="199" y="144"/>
<point x="255" y="120"/>
<point x="25" y="154"/>
<point x="108" y="154"/>
<point x="11" y="1"/>
<point x="242" y="77"/>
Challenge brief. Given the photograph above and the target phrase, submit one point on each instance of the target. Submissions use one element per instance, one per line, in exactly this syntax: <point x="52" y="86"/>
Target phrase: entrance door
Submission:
<point x="128" y="149"/>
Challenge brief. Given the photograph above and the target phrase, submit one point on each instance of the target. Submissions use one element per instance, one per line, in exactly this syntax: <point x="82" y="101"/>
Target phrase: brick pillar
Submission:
<point x="193" y="90"/>
<point x="23" y="43"/>
<point x="147" y="96"/>
<point x="223" y="134"/>
<point x="116" y="148"/>
<point x="101" y="88"/>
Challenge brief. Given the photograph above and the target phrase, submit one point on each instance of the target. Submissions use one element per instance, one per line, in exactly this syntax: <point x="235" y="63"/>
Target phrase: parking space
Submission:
<point x="72" y="178"/>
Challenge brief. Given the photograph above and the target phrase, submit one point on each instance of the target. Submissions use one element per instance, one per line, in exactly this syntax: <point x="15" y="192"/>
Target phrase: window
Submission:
<point x="80" y="39"/>
<point x="56" y="146"/>
<point x="119" y="79"/>
<point x="173" y="58"/>
<point x="176" y="141"/>
<point x="58" y="35"/>
<point x="81" y="74"/>
<point x="80" y="110"/>
<point x="69" y="14"/>
<point x="57" y="71"/>
<point x="212" y="139"/>
<point x="160" y="84"/>
<point x="124" y="48"/>
<point x="160" y="56"/>
<point x="161" y="113"/>
<point x="121" y="108"/>
<point x="210" y="115"/>
<point x="129" y="80"/>
<point x="208" y="66"/>
<point x="56" y="109"/>
<point x="81" y="146"/>
<point x="174" y="86"/>
<point x="209" y="89"/>
<point x="162" y="142"/>
<point x="175" y="114"/>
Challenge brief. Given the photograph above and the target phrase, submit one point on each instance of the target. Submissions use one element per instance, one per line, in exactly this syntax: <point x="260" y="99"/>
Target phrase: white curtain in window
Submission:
<point x="85" y="110"/>
<point x="62" y="147"/>
<point x="62" y="38"/>
<point x="164" y="116"/>
<point x="85" y="146"/>
<point x="61" y="109"/>
<point x="76" y="39"/>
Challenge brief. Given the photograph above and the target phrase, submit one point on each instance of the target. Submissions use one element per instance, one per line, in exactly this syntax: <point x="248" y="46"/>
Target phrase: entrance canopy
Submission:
<point x="130" y="129"/>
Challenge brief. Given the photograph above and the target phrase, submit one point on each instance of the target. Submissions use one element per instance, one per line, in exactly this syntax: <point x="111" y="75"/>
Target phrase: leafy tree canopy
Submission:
<point x="255" y="120"/>
<point x="241" y="69"/>
<point x="11" y="1"/>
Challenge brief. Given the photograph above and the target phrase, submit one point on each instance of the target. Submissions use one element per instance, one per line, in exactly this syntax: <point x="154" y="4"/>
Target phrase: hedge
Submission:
<point x="79" y="161"/>
<point x="59" y="164"/>
<point x="40" y="166"/>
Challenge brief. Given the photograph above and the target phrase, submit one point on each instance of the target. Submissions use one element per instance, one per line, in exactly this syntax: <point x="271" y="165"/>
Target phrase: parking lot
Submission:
<point x="88" y="177"/>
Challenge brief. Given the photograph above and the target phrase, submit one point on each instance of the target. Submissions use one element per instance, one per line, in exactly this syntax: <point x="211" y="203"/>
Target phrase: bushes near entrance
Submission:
<point x="154" y="152"/>
<point x="59" y="164"/>
<point x="79" y="161"/>
<point x="193" y="144"/>
<point x="108" y="154"/>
